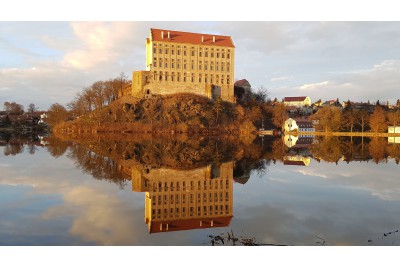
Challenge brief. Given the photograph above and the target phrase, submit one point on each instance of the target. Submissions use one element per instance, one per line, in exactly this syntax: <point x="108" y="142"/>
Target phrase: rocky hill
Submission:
<point x="178" y="113"/>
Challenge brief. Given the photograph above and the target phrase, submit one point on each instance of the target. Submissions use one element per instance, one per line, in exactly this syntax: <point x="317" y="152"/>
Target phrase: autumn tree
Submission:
<point x="279" y="115"/>
<point x="394" y="118"/>
<point x="362" y="119"/>
<point x="56" y="113"/>
<point x="13" y="108"/>
<point x="329" y="118"/>
<point x="217" y="108"/>
<point x="97" y="95"/>
<point x="349" y="118"/>
<point x="377" y="121"/>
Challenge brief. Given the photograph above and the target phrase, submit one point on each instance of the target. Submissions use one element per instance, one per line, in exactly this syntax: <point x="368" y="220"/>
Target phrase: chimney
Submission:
<point x="162" y="35"/>
<point x="213" y="39"/>
<point x="202" y="39"/>
<point x="168" y="35"/>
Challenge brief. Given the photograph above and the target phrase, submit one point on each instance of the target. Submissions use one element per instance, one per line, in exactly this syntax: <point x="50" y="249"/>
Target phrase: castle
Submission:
<point x="184" y="62"/>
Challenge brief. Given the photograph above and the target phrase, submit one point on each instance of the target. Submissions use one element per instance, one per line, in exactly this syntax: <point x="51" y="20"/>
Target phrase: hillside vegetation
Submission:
<point x="178" y="113"/>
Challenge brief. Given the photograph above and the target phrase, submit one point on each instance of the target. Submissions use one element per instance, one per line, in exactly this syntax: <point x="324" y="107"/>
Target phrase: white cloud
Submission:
<point x="281" y="78"/>
<point x="314" y="86"/>
<point x="310" y="172"/>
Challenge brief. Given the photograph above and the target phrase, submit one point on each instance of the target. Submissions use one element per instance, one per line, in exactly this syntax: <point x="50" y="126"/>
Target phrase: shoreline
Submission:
<point x="361" y="134"/>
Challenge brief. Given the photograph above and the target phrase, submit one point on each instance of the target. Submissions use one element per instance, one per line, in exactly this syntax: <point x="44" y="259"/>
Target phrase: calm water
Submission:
<point x="119" y="190"/>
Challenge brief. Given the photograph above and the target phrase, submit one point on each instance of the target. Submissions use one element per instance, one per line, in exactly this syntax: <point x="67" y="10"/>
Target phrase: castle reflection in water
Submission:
<point x="185" y="199"/>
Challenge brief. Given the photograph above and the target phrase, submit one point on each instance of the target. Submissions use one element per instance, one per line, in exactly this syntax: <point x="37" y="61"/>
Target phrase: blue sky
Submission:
<point x="45" y="62"/>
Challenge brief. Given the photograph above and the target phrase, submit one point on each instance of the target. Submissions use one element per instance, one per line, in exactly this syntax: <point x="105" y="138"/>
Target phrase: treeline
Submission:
<point x="13" y="108"/>
<point x="349" y="119"/>
<point x="95" y="96"/>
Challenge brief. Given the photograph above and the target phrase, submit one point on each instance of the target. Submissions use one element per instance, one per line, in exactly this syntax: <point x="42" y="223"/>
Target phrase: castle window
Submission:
<point x="222" y="66"/>
<point x="217" y="79"/>
<point x="200" y="54"/>
<point x="212" y="66"/>
<point x="178" y="77"/>
<point x="172" y="52"/>
<point x="166" y="76"/>
<point x="199" y="78"/>
<point x="222" y="79"/>
<point x="228" y="67"/>
<point x="172" y="76"/>
<point x="212" y="78"/>
<point x="160" y="64"/>
<point x="206" y="66"/>
<point x="154" y="50"/>
<point x="217" y="54"/>
<point x="192" y="65"/>
<point x="184" y="52"/>
<point x="206" y="54"/>
<point x="166" y="50"/>
<point x="184" y="65"/>
<point x="184" y="77"/>
<point x="228" y="55"/>
<point x="160" y="51"/>
<point x="217" y="66"/>
<point x="205" y="78"/>
<point x="160" y="79"/>
<point x="223" y="55"/>
<point x="155" y="75"/>
<point x="179" y="64"/>
<point x="192" y="53"/>
<point x="173" y="64"/>
<point x="179" y="52"/>
<point x="192" y="79"/>
<point x="166" y="64"/>
<point x="199" y="65"/>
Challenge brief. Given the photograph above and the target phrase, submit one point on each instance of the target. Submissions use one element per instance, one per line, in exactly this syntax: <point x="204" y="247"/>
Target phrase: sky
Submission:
<point x="45" y="62"/>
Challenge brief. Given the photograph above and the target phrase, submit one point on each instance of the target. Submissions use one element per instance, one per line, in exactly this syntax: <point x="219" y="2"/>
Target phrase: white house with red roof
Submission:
<point x="301" y="125"/>
<point x="297" y="101"/>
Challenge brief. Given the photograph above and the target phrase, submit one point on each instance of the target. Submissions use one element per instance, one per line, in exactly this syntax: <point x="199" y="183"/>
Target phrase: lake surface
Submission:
<point x="124" y="190"/>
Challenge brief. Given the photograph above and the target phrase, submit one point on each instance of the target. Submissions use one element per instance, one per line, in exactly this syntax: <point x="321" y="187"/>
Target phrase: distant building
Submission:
<point x="359" y="106"/>
<point x="296" y="160"/>
<point x="185" y="62"/>
<point x="301" y="125"/>
<point x="297" y="101"/>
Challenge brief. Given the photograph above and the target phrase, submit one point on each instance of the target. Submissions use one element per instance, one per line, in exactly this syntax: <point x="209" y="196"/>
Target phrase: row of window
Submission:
<point x="182" y="198"/>
<point x="191" y="77"/>
<point x="207" y="66"/>
<point x="205" y="209"/>
<point x="306" y="129"/>
<point x="185" y="52"/>
<point x="200" y="184"/>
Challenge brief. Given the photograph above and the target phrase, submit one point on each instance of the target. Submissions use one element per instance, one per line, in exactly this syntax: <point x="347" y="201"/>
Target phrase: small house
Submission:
<point x="297" y="101"/>
<point x="301" y="125"/>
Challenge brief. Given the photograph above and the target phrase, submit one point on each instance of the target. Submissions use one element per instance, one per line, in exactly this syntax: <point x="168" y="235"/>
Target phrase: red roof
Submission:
<point x="294" y="98"/>
<point x="191" y="38"/>
<point x="242" y="82"/>
<point x="295" y="163"/>
<point x="189" y="224"/>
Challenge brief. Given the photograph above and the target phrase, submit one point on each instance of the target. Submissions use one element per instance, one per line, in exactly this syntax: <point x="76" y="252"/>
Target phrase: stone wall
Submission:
<point x="143" y="84"/>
